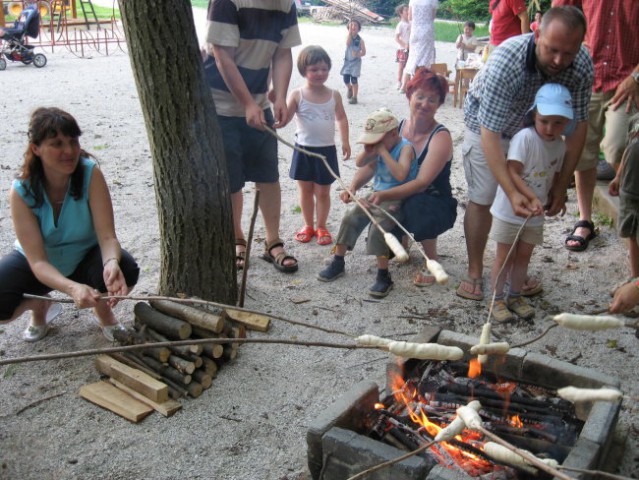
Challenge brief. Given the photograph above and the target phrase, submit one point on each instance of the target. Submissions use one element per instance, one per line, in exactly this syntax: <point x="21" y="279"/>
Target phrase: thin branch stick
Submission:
<point x="526" y="455"/>
<point x="523" y="344"/>
<point x="247" y="253"/>
<point x="198" y="301"/>
<point x="198" y="341"/>
<point x="388" y="463"/>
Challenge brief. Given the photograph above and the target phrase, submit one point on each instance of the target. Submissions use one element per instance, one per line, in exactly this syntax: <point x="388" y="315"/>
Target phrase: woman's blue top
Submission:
<point x="67" y="242"/>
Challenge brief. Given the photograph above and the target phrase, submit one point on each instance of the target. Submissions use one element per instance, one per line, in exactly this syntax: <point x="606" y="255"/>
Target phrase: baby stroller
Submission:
<point x="13" y="46"/>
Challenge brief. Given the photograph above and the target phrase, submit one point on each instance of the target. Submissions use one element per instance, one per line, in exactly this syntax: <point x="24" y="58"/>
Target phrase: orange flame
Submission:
<point x="516" y="422"/>
<point x="474" y="368"/>
<point x="379" y="406"/>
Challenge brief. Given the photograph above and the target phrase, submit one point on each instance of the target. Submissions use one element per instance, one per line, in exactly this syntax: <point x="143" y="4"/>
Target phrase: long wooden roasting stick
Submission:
<point x="197" y="301"/>
<point x="247" y="252"/>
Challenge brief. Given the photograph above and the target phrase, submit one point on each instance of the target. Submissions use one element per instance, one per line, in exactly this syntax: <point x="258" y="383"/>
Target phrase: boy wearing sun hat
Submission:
<point x="535" y="157"/>
<point x="389" y="160"/>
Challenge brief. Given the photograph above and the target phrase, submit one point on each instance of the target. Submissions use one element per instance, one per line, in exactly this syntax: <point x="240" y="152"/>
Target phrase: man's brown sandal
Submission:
<point x="279" y="259"/>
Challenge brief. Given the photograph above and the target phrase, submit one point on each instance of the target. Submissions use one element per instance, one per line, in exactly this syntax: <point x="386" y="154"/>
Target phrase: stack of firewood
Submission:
<point x="155" y="378"/>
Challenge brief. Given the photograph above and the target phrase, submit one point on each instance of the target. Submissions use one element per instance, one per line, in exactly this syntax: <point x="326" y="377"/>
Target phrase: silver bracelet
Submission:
<point x="109" y="259"/>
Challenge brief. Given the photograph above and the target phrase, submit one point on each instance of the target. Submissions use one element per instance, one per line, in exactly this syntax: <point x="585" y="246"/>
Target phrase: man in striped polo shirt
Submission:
<point x="250" y="42"/>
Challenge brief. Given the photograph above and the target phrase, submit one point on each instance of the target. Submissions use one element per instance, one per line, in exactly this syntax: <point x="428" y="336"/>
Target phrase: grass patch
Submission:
<point x="200" y="3"/>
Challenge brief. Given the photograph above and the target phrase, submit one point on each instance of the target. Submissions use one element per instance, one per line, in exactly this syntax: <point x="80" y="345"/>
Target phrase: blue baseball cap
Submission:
<point x="554" y="99"/>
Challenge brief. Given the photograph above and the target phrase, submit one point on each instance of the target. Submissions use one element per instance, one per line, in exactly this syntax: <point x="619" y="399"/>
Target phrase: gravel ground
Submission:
<point x="252" y="423"/>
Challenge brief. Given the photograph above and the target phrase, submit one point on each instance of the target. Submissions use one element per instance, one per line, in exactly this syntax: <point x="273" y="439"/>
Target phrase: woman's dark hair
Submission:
<point x="400" y="8"/>
<point x="47" y="122"/>
<point x="426" y="80"/>
<point x="470" y="24"/>
<point x="356" y="22"/>
<point x="312" y="55"/>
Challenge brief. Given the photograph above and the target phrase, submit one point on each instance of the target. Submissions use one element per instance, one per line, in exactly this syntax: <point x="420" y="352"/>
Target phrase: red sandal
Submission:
<point x="305" y="234"/>
<point x="323" y="237"/>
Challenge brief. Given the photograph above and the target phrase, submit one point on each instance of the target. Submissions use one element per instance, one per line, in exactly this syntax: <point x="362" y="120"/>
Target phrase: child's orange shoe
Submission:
<point x="323" y="237"/>
<point x="305" y="234"/>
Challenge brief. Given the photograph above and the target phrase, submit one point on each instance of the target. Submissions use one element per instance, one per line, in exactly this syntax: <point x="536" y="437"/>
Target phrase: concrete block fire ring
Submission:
<point x="337" y="449"/>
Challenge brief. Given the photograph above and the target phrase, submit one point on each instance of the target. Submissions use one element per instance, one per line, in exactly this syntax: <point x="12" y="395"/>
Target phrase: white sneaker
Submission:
<point x="108" y="330"/>
<point x="33" y="333"/>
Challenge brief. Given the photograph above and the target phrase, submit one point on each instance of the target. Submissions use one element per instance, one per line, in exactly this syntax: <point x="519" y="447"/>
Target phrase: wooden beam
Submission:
<point x="167" y="408"/>
<point x="252" y="321"/>
<point x="131" y="377"/>
<point x="107" y="396"/>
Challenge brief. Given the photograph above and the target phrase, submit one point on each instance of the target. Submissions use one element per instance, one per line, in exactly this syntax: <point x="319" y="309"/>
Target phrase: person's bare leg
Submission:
<point x="633" y="253"/>
<point x="322" y="203"/>
<point x="521" y="260"/>
<point x="430" y="248"/>
<point x="307" y="202"/>
<point x="355" y="89"/>
<point x="477" y="222"/>
<point x="237" y="205"/>
<point x="500" y="272"/>
<point x="585" y="181"/>
<point x="270" y="206"/>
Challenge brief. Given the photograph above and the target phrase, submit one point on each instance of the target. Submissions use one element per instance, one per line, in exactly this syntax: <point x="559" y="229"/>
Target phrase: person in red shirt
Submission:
<point x="509" y="18"/>
<point x="535" y="24"/>
<point x="612" y="40"/>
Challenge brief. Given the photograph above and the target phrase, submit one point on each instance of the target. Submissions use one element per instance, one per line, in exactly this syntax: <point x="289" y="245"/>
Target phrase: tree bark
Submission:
<point x="191" y="180"/>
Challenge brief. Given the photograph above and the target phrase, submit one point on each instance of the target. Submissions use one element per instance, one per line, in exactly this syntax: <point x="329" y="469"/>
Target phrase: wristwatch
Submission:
<point x="635" y="76"/>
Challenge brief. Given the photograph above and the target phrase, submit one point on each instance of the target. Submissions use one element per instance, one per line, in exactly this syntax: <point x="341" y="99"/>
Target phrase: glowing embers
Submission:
<point x="419" y="407"/>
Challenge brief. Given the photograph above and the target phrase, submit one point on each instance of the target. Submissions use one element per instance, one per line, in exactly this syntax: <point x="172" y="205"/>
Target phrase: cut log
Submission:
<point x="209" y="366"/>
<point x="168" y="326"/>
<point x="194" y="389"/>
<point x="195" y="316"/>
<point x="107" y="396"/>
<point x="161" y="354"/>
<point x="178" y="349"/>
<point x="181" y="365"/>
<point x="213" y="351"/>
<point x="203" y="378"/>
<point x="176" y="390"/>
<point x="230" y="351"/>
<point x="134" y="378"/>
<point x="167" y="408"/>
<point x="167" y="371"/>
<point x="252" y="321"/>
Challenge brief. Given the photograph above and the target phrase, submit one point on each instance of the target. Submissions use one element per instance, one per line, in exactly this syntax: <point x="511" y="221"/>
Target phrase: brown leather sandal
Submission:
<point x="279" y="259"/>
<point x="240" y="257"/>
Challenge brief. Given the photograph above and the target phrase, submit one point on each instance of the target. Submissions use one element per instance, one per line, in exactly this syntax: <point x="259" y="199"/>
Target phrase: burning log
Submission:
<point x="169" y="326"/>
<point x="196" y="317"/>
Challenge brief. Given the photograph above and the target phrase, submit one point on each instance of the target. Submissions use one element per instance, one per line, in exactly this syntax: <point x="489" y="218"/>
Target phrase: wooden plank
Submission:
<point x="134" y="378"/>
<point x="107" y="396"/>
<point x="252" y="321"/>
<point x="167" y="408"/>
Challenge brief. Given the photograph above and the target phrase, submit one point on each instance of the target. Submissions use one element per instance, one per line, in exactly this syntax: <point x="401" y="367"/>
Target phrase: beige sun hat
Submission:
<point x="378" y="124"/>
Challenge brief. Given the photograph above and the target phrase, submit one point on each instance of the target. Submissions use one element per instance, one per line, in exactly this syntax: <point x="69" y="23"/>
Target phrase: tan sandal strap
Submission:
<point x="278" y="242"/>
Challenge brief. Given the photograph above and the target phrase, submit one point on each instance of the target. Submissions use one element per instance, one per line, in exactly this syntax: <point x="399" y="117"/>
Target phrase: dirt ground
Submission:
<point x="252" y="423"/>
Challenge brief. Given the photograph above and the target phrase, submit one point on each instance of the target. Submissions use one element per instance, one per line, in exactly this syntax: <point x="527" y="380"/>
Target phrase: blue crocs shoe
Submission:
<point x="382" y="286"/>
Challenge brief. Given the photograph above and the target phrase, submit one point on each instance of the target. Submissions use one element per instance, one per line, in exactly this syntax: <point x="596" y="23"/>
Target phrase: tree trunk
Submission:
<point x="191" y="180"/>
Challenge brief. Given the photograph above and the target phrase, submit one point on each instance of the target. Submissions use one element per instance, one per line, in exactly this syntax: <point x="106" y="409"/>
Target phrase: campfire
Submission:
<point x="425" y="401"/>
<point x="517" y="402"/>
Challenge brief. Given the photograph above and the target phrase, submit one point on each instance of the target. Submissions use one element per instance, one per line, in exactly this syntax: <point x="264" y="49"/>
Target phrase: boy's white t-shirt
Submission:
<point x="541" y="160"/>
<point x="403" y="29"/>
<point x="463" y="53"/>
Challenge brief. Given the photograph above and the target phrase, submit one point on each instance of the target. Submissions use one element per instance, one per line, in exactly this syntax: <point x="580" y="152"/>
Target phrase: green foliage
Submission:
<point x="297" y="209"/>
<point x="464" y="10"/>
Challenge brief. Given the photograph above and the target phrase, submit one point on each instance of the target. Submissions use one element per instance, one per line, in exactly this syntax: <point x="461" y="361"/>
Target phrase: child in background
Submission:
<point x="535" y="24"/>
<point x="402" y="35"/>
<point x="626" y="186"/>
<point x="390" y="159"/>
<point x="466" y="43"/>
<point x="535" y="157"/>
<point x="317" y="109"/>
<point x="355" y="50"/>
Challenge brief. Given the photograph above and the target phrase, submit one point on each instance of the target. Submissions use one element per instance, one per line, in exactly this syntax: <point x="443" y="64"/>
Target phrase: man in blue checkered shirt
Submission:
<point x="497" y="101"/>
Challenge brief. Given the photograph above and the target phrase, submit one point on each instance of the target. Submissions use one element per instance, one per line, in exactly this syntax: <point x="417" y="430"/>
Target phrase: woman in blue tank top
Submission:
<point x="65" y="233"/>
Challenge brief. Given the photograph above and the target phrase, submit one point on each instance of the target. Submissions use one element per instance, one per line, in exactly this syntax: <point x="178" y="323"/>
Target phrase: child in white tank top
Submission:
<point x="317" y="110"/>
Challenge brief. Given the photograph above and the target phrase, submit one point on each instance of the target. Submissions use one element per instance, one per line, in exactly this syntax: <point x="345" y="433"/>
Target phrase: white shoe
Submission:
<point x="108" y="330"/>
<point x="33" y="333"/>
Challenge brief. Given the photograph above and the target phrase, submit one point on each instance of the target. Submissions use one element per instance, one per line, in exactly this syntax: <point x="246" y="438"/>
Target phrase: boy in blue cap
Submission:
<point x="535" y="157"/>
